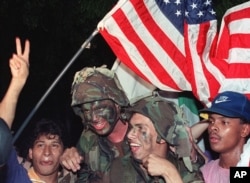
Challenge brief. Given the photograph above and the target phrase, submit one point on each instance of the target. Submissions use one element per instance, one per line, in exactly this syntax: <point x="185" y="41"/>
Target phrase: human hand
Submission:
<point x="195" y="149"/>
<point x="158" y="166"/>
<point x="19" y="63"/>
<point x="153" y="165"/>
<point x="71" y="159"/>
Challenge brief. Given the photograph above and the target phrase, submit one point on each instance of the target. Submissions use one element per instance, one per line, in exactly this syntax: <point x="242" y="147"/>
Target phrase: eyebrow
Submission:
<point x="53" y="141"/>
<point x="139" y="124"/>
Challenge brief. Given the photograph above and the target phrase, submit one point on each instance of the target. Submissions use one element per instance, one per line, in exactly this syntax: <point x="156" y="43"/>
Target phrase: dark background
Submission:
<point x="56" y="30"/>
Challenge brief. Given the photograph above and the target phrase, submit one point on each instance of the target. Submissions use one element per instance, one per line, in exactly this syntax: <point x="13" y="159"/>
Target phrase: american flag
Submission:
<point x="170" y="43"/>
<point x="233" y="49"/>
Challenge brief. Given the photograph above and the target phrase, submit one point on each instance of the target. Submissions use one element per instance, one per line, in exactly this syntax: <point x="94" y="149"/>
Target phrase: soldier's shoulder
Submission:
<point x="87" y="140"/>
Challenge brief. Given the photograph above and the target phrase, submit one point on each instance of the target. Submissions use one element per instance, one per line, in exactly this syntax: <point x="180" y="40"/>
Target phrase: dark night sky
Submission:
<point x="50" y="53"/>
<point x="57" y="104"/>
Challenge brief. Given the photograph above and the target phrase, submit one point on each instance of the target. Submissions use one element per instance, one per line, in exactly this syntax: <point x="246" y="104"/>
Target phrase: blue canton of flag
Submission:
<point x="194" y="11"/>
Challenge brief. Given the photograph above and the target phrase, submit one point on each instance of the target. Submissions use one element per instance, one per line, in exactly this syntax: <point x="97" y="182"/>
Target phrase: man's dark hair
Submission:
<point x="46" y="127"/>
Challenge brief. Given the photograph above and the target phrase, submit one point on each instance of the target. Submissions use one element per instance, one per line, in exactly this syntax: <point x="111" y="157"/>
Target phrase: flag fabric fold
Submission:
<point x="148" y="37"/>
<point x="140" y="37"/>
<point x="200" y="41"/>
<point x="174" y="45"/>
<point x="134" y="86"/>
<point x="233" y="48"/>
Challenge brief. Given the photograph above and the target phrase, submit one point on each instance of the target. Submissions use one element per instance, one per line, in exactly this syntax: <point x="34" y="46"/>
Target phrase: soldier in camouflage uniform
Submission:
<point x="98" y="98"/>
<point x="160" y="146"/>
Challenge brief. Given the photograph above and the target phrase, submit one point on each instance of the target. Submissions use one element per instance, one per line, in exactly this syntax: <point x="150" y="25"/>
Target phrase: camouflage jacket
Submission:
<point x="127" y="170"/>
<point x="98" y="154"/>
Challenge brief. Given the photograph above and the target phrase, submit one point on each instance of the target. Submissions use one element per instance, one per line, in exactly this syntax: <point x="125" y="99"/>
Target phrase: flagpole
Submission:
<point x="83" y="46"/>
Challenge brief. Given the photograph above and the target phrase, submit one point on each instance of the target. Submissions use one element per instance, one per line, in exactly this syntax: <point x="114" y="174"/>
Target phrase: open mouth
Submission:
<point x="99" y="125"/>
<point x="134" y="147"/>
<point x="46" y="163"/>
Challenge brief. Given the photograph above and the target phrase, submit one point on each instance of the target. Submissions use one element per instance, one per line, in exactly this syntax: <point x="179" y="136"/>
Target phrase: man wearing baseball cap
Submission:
<point x="229" y="129"/>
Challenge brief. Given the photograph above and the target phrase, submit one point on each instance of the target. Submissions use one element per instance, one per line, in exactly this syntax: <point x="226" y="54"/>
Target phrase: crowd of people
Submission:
<point x="147" y="140"/>
<point x="144" y="141"/>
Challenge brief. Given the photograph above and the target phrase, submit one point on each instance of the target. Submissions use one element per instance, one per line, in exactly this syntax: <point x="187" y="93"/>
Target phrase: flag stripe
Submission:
<point x="239" y="70"/>
<point x="234" y="14"/>
<point x="151" y="50"/>
<point x="233" y="24"/>
<point x="175" y="45"/>
<point x="198" y="53"/>
<point x="234" y="48"/>
<point x="164" y="41"/>
<point x="239" y="56"/>
<point x="118" y="47"/>
<point x="152" y="35"/>
<point x="240" y="41"/>
<point x="123" y="47"/>
<point x="147" y="56"/>
<point x="153" y="46"/>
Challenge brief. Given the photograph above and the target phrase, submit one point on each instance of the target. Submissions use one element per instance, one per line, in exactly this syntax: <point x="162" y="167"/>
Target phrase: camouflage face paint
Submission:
<point x="145" y="136"/>
<point x="139" y="131"/>
<point x="142" y="136"/>
<point x="98" y="113"/>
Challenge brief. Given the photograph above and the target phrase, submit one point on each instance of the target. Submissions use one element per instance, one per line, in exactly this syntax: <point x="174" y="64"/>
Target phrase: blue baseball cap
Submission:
<point x="230" y="104"/>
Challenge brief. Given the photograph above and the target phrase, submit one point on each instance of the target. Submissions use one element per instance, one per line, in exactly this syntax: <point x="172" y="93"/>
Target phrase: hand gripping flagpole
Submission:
<point x="83" y="46"/>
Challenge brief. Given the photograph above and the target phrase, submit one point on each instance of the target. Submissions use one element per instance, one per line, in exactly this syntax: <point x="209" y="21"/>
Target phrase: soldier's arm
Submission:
<point x="198" y="128"/>
<point x="195" y="133"/>
<point x="71" y="159"/>
<point x="88" y="147"/>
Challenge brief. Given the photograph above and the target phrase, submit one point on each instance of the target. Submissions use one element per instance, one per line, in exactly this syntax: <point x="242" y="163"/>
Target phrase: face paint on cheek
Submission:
<point x="145" y="137"/>
<point x="97" y="111"/>
<point x="110" y="114"/>
<point x="106" y="110"/>
<point x="104" y="117"/>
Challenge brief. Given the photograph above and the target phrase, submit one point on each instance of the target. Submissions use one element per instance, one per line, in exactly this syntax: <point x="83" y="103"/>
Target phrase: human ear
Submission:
<point x="245" y="130"/>
<point x="162" y="141"/>
<point x="30" y="153"/>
